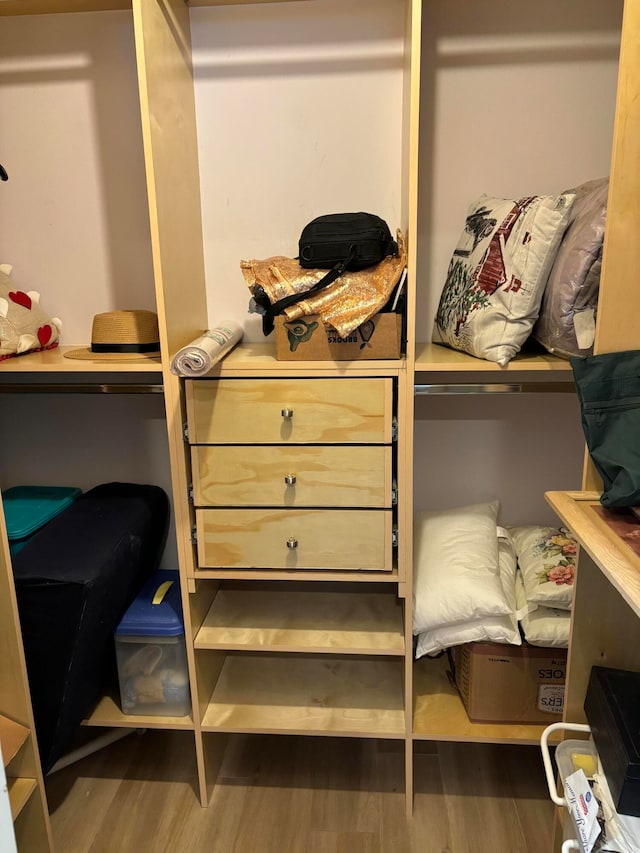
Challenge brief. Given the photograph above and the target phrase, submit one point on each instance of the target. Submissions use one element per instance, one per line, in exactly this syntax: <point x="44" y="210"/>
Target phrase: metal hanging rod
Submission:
<point x="496" y="388"/>
<point x="77" y="388"/>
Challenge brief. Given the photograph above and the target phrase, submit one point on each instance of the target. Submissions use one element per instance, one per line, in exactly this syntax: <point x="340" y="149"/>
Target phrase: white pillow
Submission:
<point x="542" y="626"/>
<point x="496" y="629"/>
<point x="547" y="560"/>
<point x="497" y="275"/>
<point x="456" y="573"/>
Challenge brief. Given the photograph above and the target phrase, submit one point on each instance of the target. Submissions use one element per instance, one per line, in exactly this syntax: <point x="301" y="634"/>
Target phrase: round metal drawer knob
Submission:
<point x="287" y="413"/>
<point x="290" y="479"/>
<point x="292" y="543"/>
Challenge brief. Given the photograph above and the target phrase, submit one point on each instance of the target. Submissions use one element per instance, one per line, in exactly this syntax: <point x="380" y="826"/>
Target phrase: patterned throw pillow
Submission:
<point x="498" y="272"/>
<point x="547" y="562"/>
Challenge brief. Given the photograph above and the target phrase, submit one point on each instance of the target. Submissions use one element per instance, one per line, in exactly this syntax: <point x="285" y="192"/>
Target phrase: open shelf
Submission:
<point x="251" y="357"/>
<point x="283" y="575"/>
<point x="436" y="357"/>
<point x="19" y="792"/>
<point x="12" y="737"/>
<point x="53" y="360"/>
<point x="294" y="621"/>
<point x="282" y="694"/>
<point x="438" y="712"/>
<point x="107" y="714"/>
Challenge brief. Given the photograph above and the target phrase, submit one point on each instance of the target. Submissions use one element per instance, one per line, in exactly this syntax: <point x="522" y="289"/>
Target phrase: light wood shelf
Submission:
<point x="293" y="621"/>
<point x="20" y="790"/>
<point x="54" y="361"/>
<point x="439" y="714"/>
<point x="260" y="359"/>
<point x="436" y="357"/>
<point x="107" y="714"/>
<point x="281" y="694"/>
<point x="13" y="736"/>
<point x="282" y="575"/>
<point x="619" y="564"/>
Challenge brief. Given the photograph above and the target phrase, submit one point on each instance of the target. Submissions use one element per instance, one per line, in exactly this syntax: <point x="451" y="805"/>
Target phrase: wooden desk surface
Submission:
<point x="608" y="537"/>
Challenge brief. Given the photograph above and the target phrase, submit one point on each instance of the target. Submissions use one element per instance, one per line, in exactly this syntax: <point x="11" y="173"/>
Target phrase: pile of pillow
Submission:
<point x="475" y="581"/>
<point x="464" y="579"/>
<point x="544" y="583"/>
<point x="512" y="255"/>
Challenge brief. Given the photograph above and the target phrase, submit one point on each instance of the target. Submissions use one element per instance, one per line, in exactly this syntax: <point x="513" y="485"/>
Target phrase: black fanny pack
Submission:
<point x="337" y="242"/>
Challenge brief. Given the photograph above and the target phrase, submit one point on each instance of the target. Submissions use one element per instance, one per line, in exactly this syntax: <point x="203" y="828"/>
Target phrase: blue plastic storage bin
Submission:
<point x="151" y="651"/>
<point x="28" y="508"/>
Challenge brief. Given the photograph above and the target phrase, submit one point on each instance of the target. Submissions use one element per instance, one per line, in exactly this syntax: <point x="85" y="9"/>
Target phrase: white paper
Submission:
<point x="583" y="808"/>
<point x="198" y="357"/>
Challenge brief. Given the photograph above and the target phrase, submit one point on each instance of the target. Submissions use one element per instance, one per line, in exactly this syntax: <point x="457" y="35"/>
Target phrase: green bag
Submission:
<point x="608" y="389"/>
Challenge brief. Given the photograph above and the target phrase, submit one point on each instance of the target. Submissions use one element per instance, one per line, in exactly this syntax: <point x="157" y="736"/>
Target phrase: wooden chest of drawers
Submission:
<point x="292" y="474"/>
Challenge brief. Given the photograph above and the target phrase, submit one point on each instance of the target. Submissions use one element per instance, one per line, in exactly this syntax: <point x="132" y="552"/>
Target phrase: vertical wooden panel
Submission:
<point x="619" y="298"/>
<point x="163" y="45"/>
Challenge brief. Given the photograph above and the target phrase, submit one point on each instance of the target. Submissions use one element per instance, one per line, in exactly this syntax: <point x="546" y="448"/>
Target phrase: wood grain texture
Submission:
<point x="351" y="622"/>
<point x="618" y="563"/>
<point x="325" y="411"/>
<point x="304" y="795"/>
<point x="287" y="694"/>
<point x="324" y="476"/>
<point x="257" y="538"/>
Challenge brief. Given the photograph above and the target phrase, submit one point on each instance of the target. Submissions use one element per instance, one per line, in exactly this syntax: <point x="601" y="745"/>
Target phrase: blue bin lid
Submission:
<point x="156" y="610"/>
<point x="28" y="508"/>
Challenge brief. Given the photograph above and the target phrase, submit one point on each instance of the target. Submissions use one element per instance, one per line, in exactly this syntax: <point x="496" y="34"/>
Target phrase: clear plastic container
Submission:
<point x="151" y="651"/>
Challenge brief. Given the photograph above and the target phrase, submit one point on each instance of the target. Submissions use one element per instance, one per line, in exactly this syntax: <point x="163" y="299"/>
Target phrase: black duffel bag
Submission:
<point x="337" y="242"/>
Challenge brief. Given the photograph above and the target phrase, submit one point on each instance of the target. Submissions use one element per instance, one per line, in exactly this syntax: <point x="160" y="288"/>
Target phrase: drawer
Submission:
<point x="324" y="539"/>
<point x="262" y="475"/>
<point x="289" y="411"/>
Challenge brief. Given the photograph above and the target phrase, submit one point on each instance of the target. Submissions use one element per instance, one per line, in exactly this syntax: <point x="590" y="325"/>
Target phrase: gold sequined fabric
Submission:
<point x="347" y="303"/>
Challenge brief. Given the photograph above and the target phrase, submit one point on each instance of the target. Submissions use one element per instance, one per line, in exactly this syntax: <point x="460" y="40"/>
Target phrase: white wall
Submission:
<point x="299" y="114"/>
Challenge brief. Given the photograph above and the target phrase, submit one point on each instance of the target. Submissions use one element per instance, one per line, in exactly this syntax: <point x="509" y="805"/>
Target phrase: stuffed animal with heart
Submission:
<point x="24" y="326"/>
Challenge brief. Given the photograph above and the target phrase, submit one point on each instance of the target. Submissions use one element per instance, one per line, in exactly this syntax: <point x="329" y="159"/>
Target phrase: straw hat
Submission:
<point x="121" y="336"/>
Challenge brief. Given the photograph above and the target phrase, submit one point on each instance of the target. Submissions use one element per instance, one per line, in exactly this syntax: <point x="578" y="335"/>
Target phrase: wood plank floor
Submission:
<point x="301" y="795"/>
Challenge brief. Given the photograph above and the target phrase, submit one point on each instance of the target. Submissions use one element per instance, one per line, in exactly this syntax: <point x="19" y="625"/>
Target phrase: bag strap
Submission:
<point x="271" y="311"/>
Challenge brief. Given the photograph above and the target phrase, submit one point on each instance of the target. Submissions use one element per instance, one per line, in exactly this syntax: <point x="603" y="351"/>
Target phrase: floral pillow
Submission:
<point x="542" y="626"/>
<point x="547" y="561"/>
<point x="498" y="273"/>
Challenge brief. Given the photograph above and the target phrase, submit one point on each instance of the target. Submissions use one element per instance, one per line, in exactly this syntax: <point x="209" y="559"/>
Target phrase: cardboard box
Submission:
<point x="308" y="339"/>
<point x="500" y="683"/>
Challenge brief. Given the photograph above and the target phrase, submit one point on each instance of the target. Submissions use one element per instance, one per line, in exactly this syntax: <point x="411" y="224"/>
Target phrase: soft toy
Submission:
<point x="24" y="326"/>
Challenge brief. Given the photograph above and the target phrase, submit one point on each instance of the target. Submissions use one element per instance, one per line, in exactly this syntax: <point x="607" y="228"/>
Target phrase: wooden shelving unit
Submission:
<point x="294" y="621"/>
<point x="331" y="696"/>
<point x="438" y="712"/>
<point x="317" y="662"/>
<point x="17" y="734"/>
<point x="107" y="714"/>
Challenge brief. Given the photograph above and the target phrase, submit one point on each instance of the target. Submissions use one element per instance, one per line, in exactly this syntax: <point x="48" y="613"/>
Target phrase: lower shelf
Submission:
<point x="12" y="737"/>
<point x="107" y="714"/>
<point x="438" y="712"/>
<point x="282" y="694"/>
<point x="19" y="792"/>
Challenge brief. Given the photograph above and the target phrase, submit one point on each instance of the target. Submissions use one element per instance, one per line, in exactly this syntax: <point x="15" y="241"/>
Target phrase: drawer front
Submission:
<point x="324" y="476"/>
<point x="289" y="411"/>
<point x="324" y="539"/>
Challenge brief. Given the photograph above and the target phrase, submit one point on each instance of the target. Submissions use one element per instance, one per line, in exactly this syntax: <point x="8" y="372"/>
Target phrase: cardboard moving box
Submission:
<point x="308" y="339"/>
<point x="500" y="683"/>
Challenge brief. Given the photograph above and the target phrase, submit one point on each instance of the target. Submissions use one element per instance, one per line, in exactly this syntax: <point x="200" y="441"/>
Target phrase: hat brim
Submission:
<point x="85" y="354"/>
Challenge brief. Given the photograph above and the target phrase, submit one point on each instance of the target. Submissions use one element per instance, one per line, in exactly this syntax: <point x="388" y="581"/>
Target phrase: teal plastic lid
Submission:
<point x="28" y="508"/>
